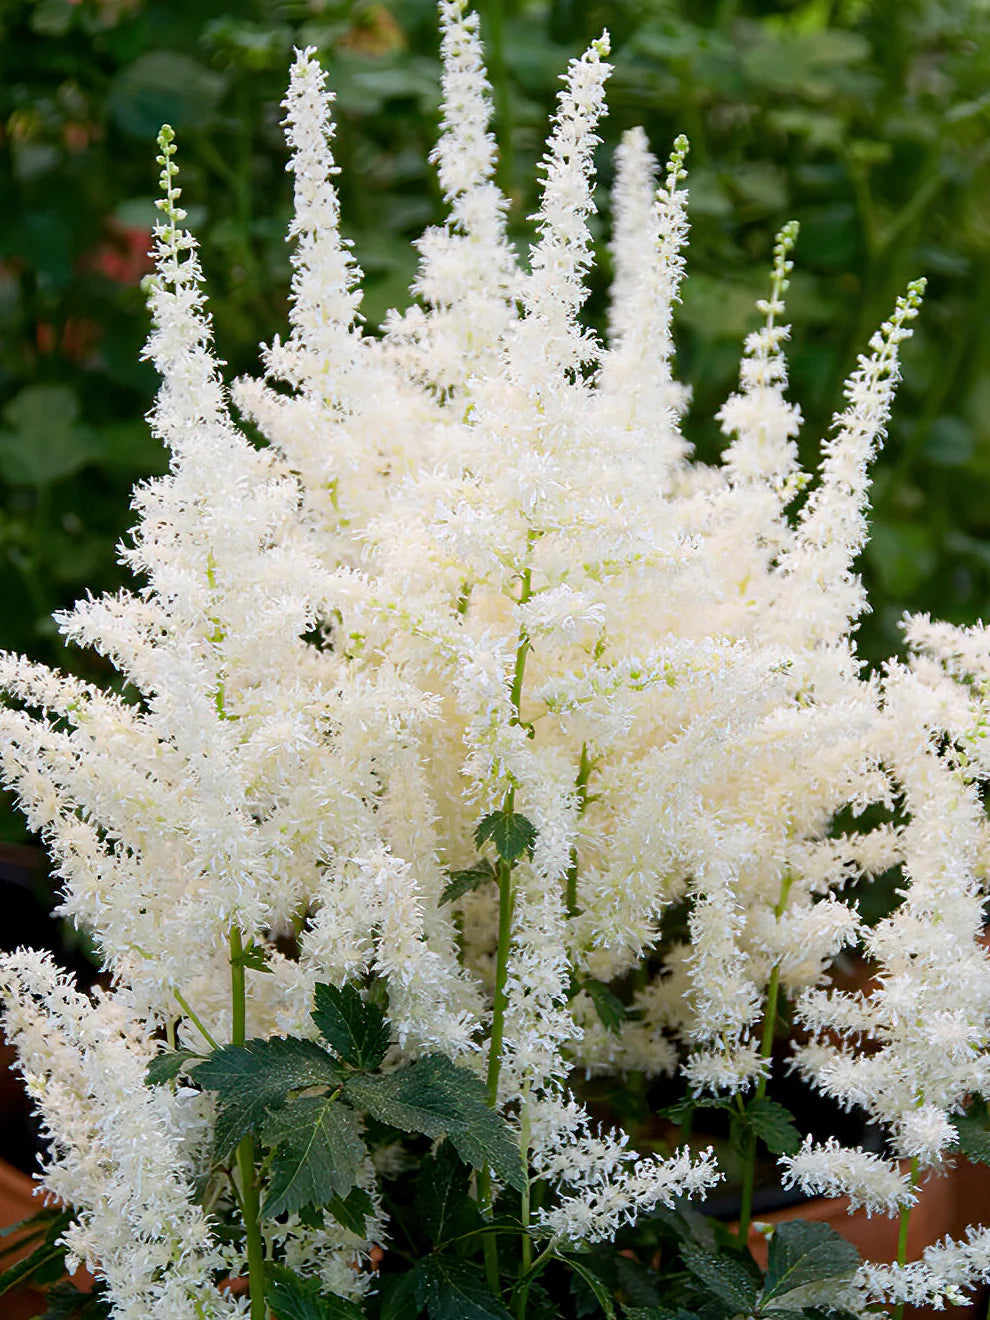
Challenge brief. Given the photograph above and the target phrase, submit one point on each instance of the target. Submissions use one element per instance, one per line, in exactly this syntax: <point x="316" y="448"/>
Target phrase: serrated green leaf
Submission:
<point x="610" y="1008"/>
<point x="167" y="1065"/>
<point x="398" y="1294"/>
<point x="801" y="1256"/>
<point x="455" y="1290"/>
<point x="254" y="956"/>
<point x="318" y="1153"/>
<point x="353" y="1210"/>
<point x="254" y="1079"/>
<point x="511" y="833"/>
<point x="438" y="1098"/>
<point x="974" y="1139"/>
<point x="774" y="1125"/>
<point x="442" y="1202"/>
<point x="601" y="1293"/>
<point x="463" y="882"/>
<point x="356" y="1030"/>
<point x="726" y="1278"/>
<point x="291" y="1297"/>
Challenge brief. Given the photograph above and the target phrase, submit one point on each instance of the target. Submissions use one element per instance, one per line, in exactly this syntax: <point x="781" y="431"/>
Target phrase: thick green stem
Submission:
<point x="766" y="1049"/>
<point x="526" y="1259"/>
<point x="250" y="1192"/>
<point x="902" y="1234"/>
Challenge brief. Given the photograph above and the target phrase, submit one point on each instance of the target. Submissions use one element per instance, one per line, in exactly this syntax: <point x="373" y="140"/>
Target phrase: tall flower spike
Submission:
<point x="326" y="280"/>
<point x="468" y="273"/>
<point x="551" y="341"/>
<point x="648" y="232"/>
<point x="832" y="527"/>
<point x="761" y="419"/>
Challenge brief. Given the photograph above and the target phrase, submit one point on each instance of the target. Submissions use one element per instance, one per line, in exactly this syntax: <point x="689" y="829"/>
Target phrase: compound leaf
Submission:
<point x="438" y="1098"/>
<point x="354" y="1028"/>
<point x="511" y="833"/>
<point x="318" y="1153"/>
<point x="803" y="1255"/>
<point x="463" y="882"/>
<point x="254" y="1079"/>
<point x="455" y="1290"/>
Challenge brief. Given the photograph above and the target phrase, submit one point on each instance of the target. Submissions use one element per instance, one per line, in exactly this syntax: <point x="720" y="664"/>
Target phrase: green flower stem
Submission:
<point x="902" y="1234"/>
<point x="526" y="1258"/>
<point x="506" y="903"/>
<point x="766" y="1048"/>
<point x="191" y="1015"/>
<point x="581" y="791"/>
<point x="250" y="1192"/>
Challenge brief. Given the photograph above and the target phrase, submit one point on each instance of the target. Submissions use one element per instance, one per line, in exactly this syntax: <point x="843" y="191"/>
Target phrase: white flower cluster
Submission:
<point x="476" y="569"/>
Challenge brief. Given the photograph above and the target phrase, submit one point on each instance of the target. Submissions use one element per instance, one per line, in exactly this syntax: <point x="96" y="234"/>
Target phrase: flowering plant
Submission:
<point x="434" y="706"/>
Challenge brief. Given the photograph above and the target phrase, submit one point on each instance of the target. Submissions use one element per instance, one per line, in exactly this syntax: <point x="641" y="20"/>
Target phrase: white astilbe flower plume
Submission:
<point x="469" y="693"/>
<point x="117" y="1155"/>
<point x="649" y="229"/>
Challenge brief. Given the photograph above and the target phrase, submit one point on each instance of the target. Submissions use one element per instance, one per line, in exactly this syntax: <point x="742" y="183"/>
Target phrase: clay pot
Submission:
<point x="946" y="1204"/>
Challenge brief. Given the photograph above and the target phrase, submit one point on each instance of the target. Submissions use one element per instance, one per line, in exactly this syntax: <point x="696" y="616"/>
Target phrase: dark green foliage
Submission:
<point x="512" y="834"/>
<point x="165" y="1067"/>
<point x="352" y="1210"/>
<point x="317" y="1153"/>
<point x="772" y="1123"/>
<point x="253" y="956"/>
<point x="291" y="1297"/>
<point x="464" y="882"/>
<point x="355" y="1030"/>
<point x="437" y="1098"/>
<point x="66" y="1302"/>
<point x="454" y="1290"/>
<point x="443" y="1204"/>
<point x="254" y="1079"/>
<point x="610" y="1008"/>
<point x="801" y="1256"/>
<point x="973" y="1131"/>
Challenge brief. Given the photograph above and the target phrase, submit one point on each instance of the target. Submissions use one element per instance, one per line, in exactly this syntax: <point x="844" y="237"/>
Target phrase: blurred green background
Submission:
<point x="867" y="122"/>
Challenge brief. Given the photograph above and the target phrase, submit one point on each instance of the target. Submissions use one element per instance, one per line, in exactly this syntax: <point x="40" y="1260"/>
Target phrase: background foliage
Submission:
<point x="865" y="121"/>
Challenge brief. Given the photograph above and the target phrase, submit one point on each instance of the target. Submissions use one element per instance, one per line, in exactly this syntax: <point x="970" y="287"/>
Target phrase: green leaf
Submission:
<point x="463" y="882"/>
<point x="398" y="1294"/>
<point x="46" y="1262"/>
<point x="610" y="1008"/>
<point x="511" y="834"/>
<point x="44" y="439"/>
<point x="167" y="1065"/>
<point x="442" y="1202"/>
<point x="291" y="1297"/>
<point x="774" y="1125"/>
<point x="454" y="1290"/>
<point x="803" y="1255"/>
<point x="973" y="1136"/>
<point x="602" y="1295"/>
<point x="254" y="956"/>
<point x="438" y="1098"/>
<point x="254" y="1079"/>
<point x="66" y="1302"/>
<point x="726" y="1278"/>
<point x="355" y="1029"/>
<point x="318" y="1153"/>
<point x="353" y="1210"/>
